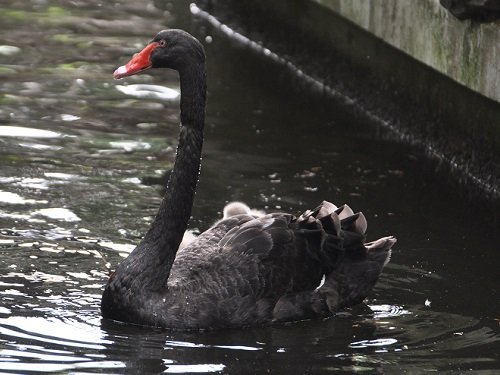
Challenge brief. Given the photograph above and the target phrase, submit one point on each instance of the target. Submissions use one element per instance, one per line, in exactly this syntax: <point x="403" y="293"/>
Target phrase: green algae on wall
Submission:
<point x="465" y="51"/>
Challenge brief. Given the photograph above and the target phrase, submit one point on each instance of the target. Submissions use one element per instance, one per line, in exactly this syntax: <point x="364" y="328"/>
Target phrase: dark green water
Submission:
<point x="81" y="159"/>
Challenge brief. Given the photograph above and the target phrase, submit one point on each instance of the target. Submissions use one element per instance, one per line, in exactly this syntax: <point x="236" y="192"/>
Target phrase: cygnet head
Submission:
<point x="235" y="208"/>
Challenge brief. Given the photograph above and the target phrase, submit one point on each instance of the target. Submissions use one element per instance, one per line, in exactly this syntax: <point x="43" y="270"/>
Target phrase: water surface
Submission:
<point x="83" y="158"/>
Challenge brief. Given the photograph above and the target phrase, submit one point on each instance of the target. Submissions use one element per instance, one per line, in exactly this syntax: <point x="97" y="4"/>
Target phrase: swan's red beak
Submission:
<point x="139" y="63"/>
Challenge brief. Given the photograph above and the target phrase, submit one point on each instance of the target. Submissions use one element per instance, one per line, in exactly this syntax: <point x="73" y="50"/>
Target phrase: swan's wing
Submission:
<point x="247" y="256"/>
<point x="251" y="269"/>
<point x="208" y="241"/>
<point x="259" y="236"/>
<point x="241" y="236"/>
<point x="276" y="248"/>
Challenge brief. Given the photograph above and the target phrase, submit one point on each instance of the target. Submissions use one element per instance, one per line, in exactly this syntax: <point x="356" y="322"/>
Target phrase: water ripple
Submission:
<point x="369" y="343"/>
<point x="13" y="198"/>
<point x="149" y="91"/>
<point x="23" y="132"/>
<point x="199" y="368"/>
<point x="62" y="333"/>
<point x="388" y="311"/>
<point x="58" y="213"/>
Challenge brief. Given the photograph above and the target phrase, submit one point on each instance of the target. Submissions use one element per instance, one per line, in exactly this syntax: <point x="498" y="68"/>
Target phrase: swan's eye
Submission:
<point x="162" y="43"/>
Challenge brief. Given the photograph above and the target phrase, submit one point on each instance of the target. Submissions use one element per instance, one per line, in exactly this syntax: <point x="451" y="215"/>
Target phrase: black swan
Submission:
<point x="245" y="270"/>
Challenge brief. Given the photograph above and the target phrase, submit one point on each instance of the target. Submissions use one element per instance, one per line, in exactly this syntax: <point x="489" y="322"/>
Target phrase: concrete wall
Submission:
<point x="468" y="52"/>
<point x="381" y="61"/>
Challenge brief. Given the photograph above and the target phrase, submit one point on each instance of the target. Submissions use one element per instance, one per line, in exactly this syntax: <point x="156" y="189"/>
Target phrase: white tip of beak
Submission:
<point x="120" y="72"/>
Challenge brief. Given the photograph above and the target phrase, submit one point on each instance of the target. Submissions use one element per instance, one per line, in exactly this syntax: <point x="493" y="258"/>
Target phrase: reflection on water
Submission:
<point x="82" y="157"/>
<point x="149" y="91"/>
<point x="17" y="131"/>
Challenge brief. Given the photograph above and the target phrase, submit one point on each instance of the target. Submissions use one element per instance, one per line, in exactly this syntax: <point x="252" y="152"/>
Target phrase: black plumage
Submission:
<point x="245" y="270"/>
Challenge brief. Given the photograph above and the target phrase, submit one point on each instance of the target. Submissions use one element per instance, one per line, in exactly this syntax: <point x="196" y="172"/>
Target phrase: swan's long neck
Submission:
<point x="165" y="234"/>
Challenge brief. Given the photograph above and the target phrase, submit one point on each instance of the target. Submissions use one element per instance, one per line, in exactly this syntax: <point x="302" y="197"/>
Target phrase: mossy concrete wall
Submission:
<point x="466" y="51"/>
<point x="407" y="66"/>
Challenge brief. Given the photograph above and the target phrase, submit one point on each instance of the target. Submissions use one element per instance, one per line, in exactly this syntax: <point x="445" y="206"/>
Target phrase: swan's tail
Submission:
<point x="352" y="267"/>
<point x="380" y="250"/>
<point x="343" y="231"/>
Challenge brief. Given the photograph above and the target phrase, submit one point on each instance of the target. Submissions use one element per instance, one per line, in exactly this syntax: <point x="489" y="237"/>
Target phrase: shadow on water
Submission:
<point x="81" y="155"/>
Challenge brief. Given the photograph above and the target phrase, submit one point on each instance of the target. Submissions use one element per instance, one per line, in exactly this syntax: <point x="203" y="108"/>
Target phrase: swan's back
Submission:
<point x="249" y="270"/>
